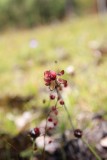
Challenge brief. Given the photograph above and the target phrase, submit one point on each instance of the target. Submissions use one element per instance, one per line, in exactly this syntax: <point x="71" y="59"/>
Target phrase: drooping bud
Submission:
<point x="55" y="123"/>
<point x="50" y="119"/>
<point x="61" y="73"/>
<point x="61" y="102"/>
<point x="52" y="97"/>
<point x="50" y="141"/>
<point x="37" y="131"/>
<point x="34" y="133"/>
<point x="78" y="133"/>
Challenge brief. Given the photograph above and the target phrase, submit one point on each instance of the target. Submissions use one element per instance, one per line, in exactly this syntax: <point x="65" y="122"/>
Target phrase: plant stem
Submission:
<point x="68" y="115"/>
<point x="91" y="149"/>
<point x="43" y="153"/>
<point x="70" y="120"/>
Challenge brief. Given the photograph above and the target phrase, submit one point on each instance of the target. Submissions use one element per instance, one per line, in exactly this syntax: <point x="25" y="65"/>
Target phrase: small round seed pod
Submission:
<point x="52" y="97"/>
<point x="61" y="102"/>
<point x="78" y="133"/>
<point x="34" y="133"/>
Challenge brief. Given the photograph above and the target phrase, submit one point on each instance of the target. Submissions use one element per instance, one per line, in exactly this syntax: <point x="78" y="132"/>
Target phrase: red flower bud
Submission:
<point x="52" y="75"/>
<point x="34" y="133"/>
<point x="37" y="132"/>
<point x="61" y="102"/>
<point x="65" y="84"/>
<point x="50" y="142"/>
<point x="62" y="81"/>
<point x="50" y="119"/>
<point x="54" y="108"/>
<point x="61" y="73"/>
<point x="52" y="96"/>
<point x="55" y="123"/>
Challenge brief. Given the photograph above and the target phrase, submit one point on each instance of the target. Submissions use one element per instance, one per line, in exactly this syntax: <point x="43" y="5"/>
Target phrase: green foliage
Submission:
<point x="83" y="6"/>
<point x="30" y="13"/>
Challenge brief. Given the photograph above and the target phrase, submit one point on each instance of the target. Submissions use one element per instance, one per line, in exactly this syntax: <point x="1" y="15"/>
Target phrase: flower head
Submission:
<point x="49" y="76"/>
<point x="52" y="79"/>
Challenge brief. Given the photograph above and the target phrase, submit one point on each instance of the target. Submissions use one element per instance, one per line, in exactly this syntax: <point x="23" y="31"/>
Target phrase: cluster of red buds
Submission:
<point x="53" y="80"/>
<point x="55" y="83"/>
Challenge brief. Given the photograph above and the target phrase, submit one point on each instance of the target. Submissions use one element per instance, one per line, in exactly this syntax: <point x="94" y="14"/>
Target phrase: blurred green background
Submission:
<point x="25" y="13"/>
<point x="33" y="35"/>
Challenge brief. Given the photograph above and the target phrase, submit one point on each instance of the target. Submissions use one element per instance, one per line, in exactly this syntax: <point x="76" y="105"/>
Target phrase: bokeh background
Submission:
<point x="38" y="35"/>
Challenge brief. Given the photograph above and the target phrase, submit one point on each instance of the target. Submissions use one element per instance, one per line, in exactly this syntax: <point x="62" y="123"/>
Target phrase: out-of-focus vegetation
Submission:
<point x="26" y="54"/>
<point x="28" y="13"/>
<point x="77" y="44"/>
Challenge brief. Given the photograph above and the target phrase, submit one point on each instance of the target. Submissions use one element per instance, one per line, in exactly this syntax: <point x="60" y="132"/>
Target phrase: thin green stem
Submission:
<point x="91" y="149"/>
<point x="68" y="115"/>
